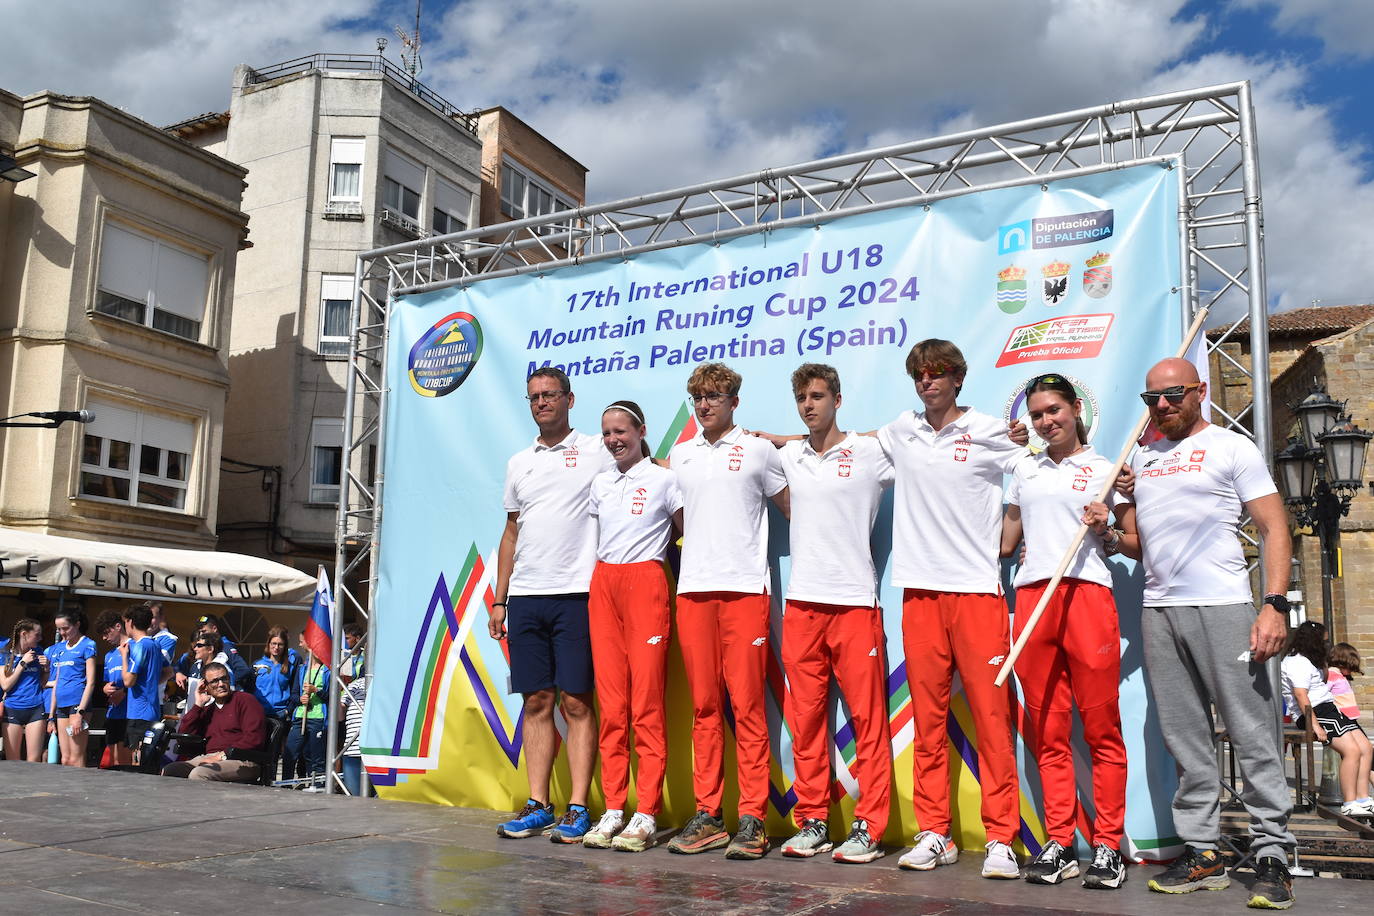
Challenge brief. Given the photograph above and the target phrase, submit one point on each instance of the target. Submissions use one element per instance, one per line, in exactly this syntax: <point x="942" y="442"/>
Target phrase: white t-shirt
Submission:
<point x="834" y="500"/>
<point x="635" y="512"/>
<point x="549" y="486"/>
<point x="725" y="520"/>
<point x="947" y="513"/>
<point x="1298" y="672"/>
<point x="1051" y="497"/>
<point x="1188" y="498"/>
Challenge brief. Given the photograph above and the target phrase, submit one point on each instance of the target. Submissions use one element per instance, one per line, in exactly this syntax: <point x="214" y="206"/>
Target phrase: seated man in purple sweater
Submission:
<point x="233" y="725"/>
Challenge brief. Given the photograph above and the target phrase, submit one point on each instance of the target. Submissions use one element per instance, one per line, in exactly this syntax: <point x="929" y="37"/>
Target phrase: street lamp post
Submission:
<point x="1320" y="473"/>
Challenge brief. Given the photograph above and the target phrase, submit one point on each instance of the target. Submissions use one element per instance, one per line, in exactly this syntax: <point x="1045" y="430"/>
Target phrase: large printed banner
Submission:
<point x="1080" y="277"/>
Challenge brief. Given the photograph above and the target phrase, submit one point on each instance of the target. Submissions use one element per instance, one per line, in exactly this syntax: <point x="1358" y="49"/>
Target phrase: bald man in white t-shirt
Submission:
<point x="1205" y="641"/>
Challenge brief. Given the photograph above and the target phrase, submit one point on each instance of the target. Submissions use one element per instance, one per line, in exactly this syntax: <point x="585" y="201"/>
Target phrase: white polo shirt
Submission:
<point x="555" y="547"/>
<point x="725" y="521"/>
<point x="947" y="511"/>
<point x="834" y="499"/>
<point x="1189" y="496"/>
<point x="1051" y="497"/>
<point x="634" y="510"/>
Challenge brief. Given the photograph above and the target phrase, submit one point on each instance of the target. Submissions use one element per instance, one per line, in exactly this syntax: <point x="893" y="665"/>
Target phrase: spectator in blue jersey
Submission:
<point x="142" y="673"/>
<point x="166" y="641"/>
<point x="274" y="674"/>
<point x="109" y="626"/>
<point x="22" y="679"/>
<point x="75" y="679"/>
<point x="304" y="751"/>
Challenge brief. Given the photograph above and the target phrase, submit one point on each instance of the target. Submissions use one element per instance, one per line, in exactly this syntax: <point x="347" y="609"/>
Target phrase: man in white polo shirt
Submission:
<point x="543" y="573"/>
<point x="832" y="623"/>
<point x="1205" y="641"/>
<point x="722" y="608"/>
<point x="946" y="536"/>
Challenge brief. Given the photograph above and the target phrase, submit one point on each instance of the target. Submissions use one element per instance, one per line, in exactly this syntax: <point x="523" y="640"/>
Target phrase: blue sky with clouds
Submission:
<point x="651" y="94"/>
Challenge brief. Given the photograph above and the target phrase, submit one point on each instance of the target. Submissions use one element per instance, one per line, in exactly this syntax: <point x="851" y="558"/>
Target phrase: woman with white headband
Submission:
<point x="637" y="505"/>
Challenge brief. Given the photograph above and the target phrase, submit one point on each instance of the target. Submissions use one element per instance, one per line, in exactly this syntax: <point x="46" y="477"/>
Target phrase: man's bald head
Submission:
<point x="1171" y="371"/>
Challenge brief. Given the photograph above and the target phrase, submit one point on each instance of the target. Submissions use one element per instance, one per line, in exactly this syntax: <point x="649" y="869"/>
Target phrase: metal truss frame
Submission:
<point x="1207" y="134"/>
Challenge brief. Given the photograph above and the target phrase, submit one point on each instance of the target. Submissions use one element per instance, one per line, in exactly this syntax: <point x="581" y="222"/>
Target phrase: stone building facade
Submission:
<point x="117" y="276"/>
<point x="1332" y="347"/>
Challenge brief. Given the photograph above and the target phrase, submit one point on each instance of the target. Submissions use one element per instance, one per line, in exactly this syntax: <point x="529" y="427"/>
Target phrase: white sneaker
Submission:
<point x="931" y="850"/>
<point x="600" y="836"/>
<point x="1357" y="809"/>
<point x="638" y="835"/>
<point x="1001" y="862"/>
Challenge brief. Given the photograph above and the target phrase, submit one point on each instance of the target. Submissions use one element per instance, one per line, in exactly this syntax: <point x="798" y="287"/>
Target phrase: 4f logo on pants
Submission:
<point x="997" y="659"/>
<point x="961" y="447"/>
<point x="654" y="640"/>
<point x="760" y="641"/>
<point x="736" y="457"/>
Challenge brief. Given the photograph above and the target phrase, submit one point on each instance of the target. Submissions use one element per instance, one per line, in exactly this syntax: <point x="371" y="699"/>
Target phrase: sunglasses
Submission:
<point x="202" y="645"/>
<point x="938" y="370"/>
<point x="215" y="682"/>
<point x="1174" y="394"/>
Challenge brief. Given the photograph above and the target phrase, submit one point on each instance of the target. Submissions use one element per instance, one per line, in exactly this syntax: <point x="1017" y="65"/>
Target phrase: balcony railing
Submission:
<point x="373" y="63"/>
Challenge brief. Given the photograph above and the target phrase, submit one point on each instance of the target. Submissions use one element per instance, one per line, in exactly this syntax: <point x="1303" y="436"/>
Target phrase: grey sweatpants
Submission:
<point x="1196" y="656"/>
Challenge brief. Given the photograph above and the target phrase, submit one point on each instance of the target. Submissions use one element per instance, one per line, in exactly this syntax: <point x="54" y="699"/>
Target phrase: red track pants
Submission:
<point x="942" y="632"/>
<point x="1074" y="656"/>
<point x="818" y="639"/>
<point x="628" y="613"/>
<point x="724" y="642"/>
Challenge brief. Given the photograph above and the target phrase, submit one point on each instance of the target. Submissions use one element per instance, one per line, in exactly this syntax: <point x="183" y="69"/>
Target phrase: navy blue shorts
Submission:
<point x="550" y="643"/>
<point x="24" y="716"/>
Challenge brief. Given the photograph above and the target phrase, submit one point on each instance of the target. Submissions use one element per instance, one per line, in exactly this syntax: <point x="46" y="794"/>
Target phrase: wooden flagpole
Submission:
<point x="1083" y="529"/>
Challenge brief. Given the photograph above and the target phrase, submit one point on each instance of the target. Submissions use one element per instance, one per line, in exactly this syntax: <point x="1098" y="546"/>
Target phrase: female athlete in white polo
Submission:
<point x="637" y="505"/>
<point x="1074" y="654"/>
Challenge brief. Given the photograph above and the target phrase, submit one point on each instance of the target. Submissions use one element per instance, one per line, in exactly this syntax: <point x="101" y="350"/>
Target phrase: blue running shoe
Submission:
<point x="532" y="819"/>
<point x="572" y="826"/>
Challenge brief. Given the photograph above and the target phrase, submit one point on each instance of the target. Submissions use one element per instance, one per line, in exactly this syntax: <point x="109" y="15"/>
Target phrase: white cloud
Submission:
<point x="654" y="95"/>
<point x="1346" y="27"/>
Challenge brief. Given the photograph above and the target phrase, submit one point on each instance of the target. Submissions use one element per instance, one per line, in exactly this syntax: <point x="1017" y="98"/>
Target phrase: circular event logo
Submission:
<point x="1015" y="409"/>
<point x="445" y="355"/>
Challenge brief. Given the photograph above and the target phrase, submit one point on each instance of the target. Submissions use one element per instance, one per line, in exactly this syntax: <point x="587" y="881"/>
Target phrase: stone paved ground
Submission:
<point x="85" y="841"/>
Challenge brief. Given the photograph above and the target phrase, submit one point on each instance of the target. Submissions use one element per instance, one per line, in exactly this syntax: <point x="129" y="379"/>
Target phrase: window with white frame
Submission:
<point x="450" y="208"/>
<point x="345" y="169"/>
<point x="523" y="195"/>
<point x="151" y="282"/>
<point x="336" y="298"/>
<point x="403" y="183"/>
<point x="136" y="457"/>
<point x="326" y="459"/>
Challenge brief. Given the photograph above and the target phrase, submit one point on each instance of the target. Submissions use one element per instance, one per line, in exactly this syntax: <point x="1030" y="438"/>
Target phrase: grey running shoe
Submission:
<point x="813" y="837"/>
<point x="859" y="847"/>
<point x="1001" y="862"/>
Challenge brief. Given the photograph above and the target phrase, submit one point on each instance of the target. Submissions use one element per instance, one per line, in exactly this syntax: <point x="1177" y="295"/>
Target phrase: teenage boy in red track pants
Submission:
<point x="832" y="623"/>
<point x="722" y="608"/>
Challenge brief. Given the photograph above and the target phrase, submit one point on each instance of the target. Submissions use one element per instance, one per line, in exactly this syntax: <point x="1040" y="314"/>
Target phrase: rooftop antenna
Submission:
<point x="410" y="58"/>
<point x="381" y="46"/>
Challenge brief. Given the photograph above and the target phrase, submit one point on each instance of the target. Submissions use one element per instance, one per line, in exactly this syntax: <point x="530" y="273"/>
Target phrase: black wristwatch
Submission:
<point x="1277" y="602"/>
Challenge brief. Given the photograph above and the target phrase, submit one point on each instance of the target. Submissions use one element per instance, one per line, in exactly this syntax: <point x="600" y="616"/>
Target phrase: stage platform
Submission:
<point x="87" y="841"/>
